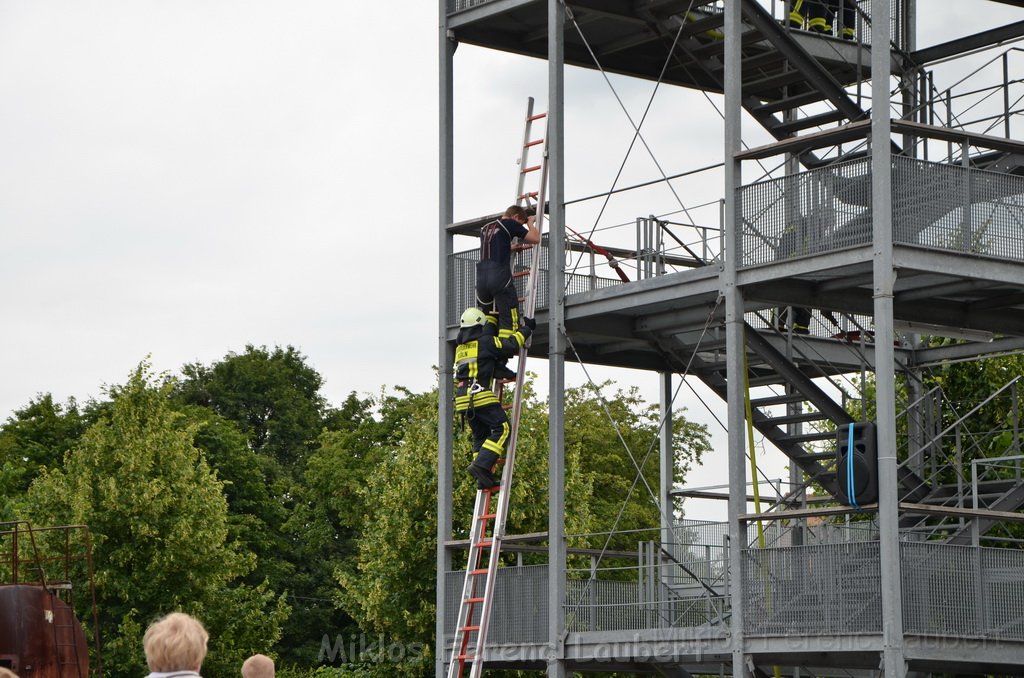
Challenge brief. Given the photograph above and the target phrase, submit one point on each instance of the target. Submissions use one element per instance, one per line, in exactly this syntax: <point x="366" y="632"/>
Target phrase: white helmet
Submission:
<point x="472" y="316"/>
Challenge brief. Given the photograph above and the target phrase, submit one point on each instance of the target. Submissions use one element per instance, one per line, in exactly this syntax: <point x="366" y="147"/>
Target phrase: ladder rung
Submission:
<point x="475" y="573"/>
<point x="535" y="142"/>
<point x="536" y="116"/>
<point x="473" y="601"/>
<point x="471" y="628"/>
<point x="532" y="168"/>
<point x="465" y="656"/>
<point x="488" y="516"/>
<point x="485" y="544"/>
<point x="520" y="274"/>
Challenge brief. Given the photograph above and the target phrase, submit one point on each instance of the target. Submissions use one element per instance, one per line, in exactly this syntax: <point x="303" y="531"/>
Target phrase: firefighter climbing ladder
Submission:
<point x="478" y="590"/>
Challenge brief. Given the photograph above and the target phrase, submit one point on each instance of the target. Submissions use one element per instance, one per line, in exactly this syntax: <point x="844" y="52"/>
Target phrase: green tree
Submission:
<point x="159" y="523"/>
<point x="273" y="396"/>
<point x="254" y="514"/>
<point x="389" y="586"/>
<point x="34" y="438"/>
<point x="615" y="437"/>
<point x="328" y="515"/>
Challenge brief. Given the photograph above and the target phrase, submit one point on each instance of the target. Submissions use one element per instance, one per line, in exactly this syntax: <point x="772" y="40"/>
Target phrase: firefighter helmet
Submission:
<point x="472" y="316"/>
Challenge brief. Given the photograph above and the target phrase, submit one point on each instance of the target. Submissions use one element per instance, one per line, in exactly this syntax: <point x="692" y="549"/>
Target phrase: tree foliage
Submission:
<point x="159" y="524"/>
<point x="616" y="438"/>
<point x="389" y="586"/>
<point x="34" y="438"/>
<point x="210" y="492"/>
<point x="273" y="396"/>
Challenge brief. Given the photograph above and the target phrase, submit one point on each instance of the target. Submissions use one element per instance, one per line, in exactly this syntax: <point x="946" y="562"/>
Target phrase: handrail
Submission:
<point x="974" y="409"/>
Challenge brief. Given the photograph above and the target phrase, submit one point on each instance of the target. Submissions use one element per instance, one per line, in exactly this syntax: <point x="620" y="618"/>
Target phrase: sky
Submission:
<point x="181" y="179"/>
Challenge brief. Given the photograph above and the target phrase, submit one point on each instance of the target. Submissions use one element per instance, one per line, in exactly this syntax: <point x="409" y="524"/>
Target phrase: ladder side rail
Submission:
<point x="506" y="476"/>
<point x="461" y="639"/>
<point x="524" y="152"/>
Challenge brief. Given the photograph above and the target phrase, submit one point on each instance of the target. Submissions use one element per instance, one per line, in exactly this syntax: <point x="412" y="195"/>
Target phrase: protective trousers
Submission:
<point x="821" y="15"/>
<point x="801" y="319"/>
<point x="490" y="428"/>
<point x="490" y="433"/>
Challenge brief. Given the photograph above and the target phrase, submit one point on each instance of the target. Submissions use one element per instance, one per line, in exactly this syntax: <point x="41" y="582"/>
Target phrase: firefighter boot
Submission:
<point x="481" y="469"/>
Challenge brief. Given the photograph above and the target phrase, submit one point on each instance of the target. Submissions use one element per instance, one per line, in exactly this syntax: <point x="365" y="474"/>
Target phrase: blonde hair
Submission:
<point x="176" y="642"/>
<point x="7" y="673"/>
<point x="258" y="666"/>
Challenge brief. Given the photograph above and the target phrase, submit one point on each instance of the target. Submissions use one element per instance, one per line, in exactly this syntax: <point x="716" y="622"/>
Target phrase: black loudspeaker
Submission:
<point x="857" y="464"/>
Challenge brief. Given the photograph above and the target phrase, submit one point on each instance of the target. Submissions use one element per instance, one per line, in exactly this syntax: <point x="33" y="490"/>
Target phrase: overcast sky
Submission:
<point x="180" y="179"/>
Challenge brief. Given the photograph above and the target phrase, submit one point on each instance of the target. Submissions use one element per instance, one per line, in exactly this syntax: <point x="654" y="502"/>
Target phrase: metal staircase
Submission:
<point x="795" y="433"/>
<point x="768" y="366"/>
<point x="780" y="75"/>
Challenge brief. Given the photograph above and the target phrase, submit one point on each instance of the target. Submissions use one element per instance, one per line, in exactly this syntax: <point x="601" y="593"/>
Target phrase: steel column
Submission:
<point x="556" y="340"/>
<point x="893" y="664"/>
<point x="666" y="458"/>
<point x="446" y="353"/>
<point x="734" y="324"/>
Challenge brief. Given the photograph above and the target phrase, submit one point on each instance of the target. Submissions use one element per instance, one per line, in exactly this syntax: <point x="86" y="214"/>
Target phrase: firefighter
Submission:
<point x="796" y="13"/>
<point x="825" y="13"/>
<point x="794" y="241"/>
<point x="477" y="355"/>
<point x="844" y="13"/>
<point x="818" y="16"/>
<point x="495" y="291"/>
<point x="801" y="319"/>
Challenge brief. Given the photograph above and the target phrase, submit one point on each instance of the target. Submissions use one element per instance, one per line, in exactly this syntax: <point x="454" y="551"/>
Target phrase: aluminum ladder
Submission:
<point x="488" y="526"/>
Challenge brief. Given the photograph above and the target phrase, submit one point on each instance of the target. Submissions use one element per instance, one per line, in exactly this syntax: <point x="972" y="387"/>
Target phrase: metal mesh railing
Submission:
<point x="956" y="208"/>
<point x="817" y="589"/>
<point x="459" y="5"/>
<point x="1003" y="592"/>
<point x="939" y="589"/>
<point x="462" y="279"/>
<point x="812" y="590"/>
<point x="520" y="612"/>
<point x="963" y="591"/>
<point x="802" y="214"/>
<point x="935" y="205"/>
<point x="602" y="605"/>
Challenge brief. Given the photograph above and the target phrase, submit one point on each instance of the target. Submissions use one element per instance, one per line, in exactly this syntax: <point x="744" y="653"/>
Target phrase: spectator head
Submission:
<point x="176" y="642"/>
<point x="258" y="666"/>
<point x="7" y="673"/>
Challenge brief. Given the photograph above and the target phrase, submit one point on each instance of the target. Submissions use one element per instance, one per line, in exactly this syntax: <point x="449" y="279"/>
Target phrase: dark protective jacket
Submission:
<point x="479" y="350"/>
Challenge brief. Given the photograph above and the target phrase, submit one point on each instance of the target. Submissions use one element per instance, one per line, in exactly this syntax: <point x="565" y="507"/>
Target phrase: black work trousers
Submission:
<point x="490" y="428"/>
<point x="496" y="293"/>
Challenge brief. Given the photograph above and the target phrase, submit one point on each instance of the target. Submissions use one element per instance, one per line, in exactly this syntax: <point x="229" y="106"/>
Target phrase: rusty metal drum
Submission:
<point x="40" y="637"/>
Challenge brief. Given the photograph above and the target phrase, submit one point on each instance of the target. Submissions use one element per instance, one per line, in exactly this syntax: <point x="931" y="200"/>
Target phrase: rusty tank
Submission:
<point x="40" y="570"/>
<point x="40" y="637"/>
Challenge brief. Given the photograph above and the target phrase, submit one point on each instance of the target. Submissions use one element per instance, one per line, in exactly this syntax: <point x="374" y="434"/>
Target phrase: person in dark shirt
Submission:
<point x="494" y="289"/>
<point x="478" y="352"/>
